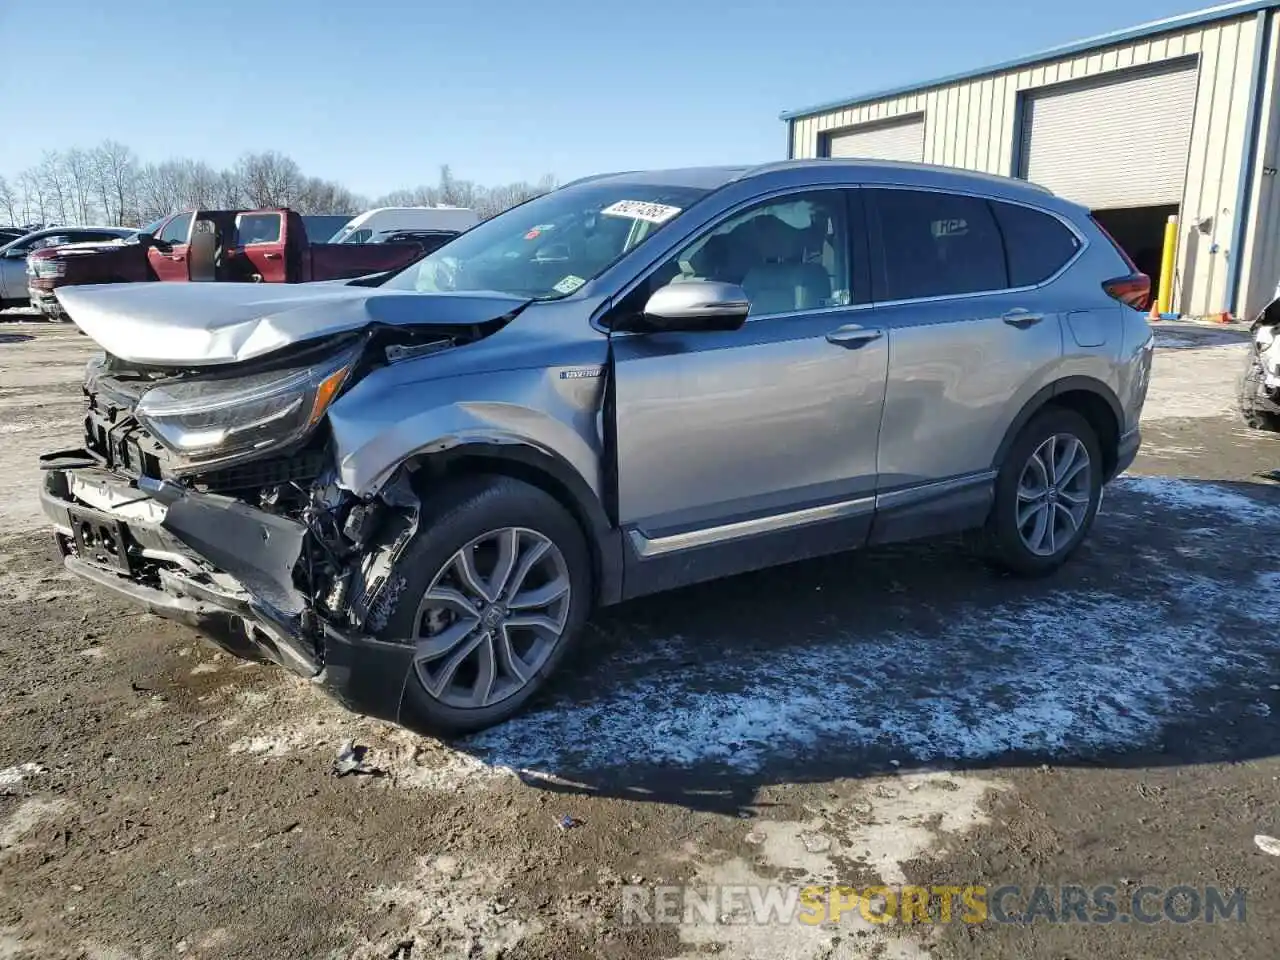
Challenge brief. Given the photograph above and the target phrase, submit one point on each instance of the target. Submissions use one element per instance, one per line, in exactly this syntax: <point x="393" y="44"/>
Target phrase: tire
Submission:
<point x="478" y="515"/>
<point x="1009" y="545"/>
<point x="1257" y="411"/>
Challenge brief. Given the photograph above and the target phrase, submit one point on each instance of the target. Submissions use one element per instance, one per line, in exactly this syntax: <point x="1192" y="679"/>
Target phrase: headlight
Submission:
<point x="213" y="421"/>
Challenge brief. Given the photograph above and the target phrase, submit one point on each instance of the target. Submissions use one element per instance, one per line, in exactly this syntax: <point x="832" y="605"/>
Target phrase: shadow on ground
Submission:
<point x="1155" y="646"/>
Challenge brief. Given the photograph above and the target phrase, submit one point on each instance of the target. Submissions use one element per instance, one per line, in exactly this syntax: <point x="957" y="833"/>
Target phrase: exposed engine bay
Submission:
<point x="214" y="491"/>
<point x="1259" y="387"/>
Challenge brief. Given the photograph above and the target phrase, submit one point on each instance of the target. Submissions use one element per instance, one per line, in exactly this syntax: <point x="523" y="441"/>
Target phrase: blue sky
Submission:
<point x="377" y="94"/>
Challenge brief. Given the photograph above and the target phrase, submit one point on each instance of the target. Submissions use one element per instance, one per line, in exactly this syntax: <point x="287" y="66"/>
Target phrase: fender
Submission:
<point x="1046" y="395"/>
<point x="552" y="473"/>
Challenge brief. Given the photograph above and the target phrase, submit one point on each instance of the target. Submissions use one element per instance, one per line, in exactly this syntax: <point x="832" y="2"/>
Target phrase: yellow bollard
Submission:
<point x="1165" y="297"/>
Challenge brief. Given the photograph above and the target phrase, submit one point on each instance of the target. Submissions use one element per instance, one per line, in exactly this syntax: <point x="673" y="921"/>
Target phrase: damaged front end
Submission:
<point x="211" y="495"/>
<point x="1259" y="386"/>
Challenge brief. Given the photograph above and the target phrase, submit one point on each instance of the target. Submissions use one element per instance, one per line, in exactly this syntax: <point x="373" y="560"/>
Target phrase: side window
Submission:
<point x="258" y="228"/>
<point x="1038" y="245"/>
<point x="787" y="254"/>
<point x="358" y="236"/>
<point x="936" y="245"/>
<point x="177" y="229"/>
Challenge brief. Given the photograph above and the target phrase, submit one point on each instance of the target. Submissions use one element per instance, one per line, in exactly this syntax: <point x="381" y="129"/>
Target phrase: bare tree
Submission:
<point x="115" y="169"/>
<point x="79" y="170"/>
<point x="269" y="179"/>
<point x="109" y="182"/>
<point x="8" y="202"/>
<point x="33" y="195"/>
<point x="53" y="178"/>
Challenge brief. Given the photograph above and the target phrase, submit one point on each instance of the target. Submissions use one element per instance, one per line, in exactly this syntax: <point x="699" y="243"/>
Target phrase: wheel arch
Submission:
<point x="549" y="473"/>
<point x="1089" y="397"/>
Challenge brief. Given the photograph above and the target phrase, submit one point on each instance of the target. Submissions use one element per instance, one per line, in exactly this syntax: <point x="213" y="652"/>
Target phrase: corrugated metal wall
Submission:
<point x="974" y="124"/>
<point x="1260" y="269"/>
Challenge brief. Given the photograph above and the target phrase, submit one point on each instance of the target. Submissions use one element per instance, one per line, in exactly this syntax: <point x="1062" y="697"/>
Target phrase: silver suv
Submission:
<point x="416" y="488"/>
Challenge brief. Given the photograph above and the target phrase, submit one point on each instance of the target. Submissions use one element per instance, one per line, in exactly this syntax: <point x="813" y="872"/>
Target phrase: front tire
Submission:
<point x="496" y="586"/>
<point x="1047" y="494"/>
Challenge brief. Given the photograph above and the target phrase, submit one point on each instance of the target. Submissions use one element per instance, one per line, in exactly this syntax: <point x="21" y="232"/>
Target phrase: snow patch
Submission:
<point x="895" y="820"/>
<point x="1060" y="672"/>
<point x="450" y="904"/>
<point x="1191" y="497"/>
<point x="13" y="776"/>
<point x="29" y="815"/>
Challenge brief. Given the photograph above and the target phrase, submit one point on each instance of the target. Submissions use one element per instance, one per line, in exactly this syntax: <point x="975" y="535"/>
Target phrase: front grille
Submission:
<point x="302" y="467"/>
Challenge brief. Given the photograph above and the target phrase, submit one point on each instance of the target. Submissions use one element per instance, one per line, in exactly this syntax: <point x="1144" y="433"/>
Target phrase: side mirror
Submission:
<point x="694" y="305"/>
<point x="16" y="254"/>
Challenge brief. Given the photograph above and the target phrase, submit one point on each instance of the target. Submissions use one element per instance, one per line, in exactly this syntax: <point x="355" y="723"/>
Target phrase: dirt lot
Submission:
<point x="903" y="716"/>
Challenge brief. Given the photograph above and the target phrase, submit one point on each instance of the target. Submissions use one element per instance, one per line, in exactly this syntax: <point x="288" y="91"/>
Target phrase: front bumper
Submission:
<point x="1127" y="451"/>
<point x="45" y="301"/>
<point x="217" y="564"/>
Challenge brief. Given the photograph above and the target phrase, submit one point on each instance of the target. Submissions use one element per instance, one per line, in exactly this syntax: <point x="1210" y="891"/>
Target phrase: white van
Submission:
<point x="382" y="220"/>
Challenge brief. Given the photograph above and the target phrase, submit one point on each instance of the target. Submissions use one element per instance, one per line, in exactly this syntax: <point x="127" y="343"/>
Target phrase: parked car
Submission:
<point x="322" y="226"/>
<point x="260" y="246"/>
<point x="429" y="240"/>
<point x="369" y="224"/>
<point x="13" y="256"/>
<point x="416" y="492"/>
<point x="1259" y="385"/>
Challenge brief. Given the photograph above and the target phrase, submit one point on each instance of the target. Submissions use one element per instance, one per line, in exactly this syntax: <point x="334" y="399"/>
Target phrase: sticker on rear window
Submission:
<point x="641" y="210"/>
<point x="568" y="284"/>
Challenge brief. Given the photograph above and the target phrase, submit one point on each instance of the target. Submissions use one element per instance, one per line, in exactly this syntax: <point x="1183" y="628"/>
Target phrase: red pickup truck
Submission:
<point x="248" y="246"/>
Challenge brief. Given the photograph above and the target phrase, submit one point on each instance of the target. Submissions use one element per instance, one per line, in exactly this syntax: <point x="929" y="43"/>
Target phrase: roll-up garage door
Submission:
<point x="1116" y="143"/>
<point x="899" y="140"/>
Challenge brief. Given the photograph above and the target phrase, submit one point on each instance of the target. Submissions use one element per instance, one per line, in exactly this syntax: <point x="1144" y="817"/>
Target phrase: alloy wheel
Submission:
<point x="492" y="616"/>
<point x="1054" y="491"/>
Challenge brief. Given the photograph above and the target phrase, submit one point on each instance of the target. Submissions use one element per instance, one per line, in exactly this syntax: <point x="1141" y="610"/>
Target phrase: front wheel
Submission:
<point x="492" y="591"/>
<point x="1047" y="494"/>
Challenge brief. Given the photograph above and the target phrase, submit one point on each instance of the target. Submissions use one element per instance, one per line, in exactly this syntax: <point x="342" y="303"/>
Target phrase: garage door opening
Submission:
<point x="1140" y="233"/>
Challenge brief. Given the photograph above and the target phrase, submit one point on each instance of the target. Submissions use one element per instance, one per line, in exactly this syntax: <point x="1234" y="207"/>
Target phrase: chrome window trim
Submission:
<point x="648" y="270"/>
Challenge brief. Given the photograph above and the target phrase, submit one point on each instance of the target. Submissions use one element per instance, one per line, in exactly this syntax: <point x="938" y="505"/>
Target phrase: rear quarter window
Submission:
<point x="1037" y="244"/>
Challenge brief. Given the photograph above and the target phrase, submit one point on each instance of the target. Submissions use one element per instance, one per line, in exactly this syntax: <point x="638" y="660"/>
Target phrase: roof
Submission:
<point x="705" y="178"/>
<point x="1224" y="11"/>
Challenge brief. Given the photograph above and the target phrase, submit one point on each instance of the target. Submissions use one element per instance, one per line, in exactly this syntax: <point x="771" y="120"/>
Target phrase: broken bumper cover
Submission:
<point x="212" y="562"/>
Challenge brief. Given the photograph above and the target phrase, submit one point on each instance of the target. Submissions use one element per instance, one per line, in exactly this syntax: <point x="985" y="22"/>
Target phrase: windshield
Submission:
<point x="549" y="247"/>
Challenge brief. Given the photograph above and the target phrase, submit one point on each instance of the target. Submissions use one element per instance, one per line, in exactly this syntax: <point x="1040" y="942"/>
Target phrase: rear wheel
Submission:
<point x="497" y="587"/>
<point x="1047" y="494"/>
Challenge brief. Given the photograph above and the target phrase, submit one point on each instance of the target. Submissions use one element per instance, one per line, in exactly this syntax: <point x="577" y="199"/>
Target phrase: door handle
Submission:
<point x="852" y="336"/>
<point x="175" y="257"/>
<point x="1022" y="319"/>
<point x="271" y="256"/>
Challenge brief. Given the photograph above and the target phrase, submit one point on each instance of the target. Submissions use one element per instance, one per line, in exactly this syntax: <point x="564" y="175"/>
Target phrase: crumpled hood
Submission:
<point x="203" y="324"/>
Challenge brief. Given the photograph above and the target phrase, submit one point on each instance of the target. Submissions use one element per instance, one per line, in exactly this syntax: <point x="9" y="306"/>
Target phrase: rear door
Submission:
<point x="260" y="239"/>
<point x="169" y="260"/>
<point x="968" y="346"/>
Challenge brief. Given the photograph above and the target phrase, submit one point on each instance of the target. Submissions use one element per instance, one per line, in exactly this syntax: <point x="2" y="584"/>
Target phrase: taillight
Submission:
<point x="1133" y="290"/>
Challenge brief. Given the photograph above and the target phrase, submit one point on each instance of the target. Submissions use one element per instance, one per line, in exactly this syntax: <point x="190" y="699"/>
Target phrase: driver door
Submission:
<point x="738" y="450"/>
<point x="169" y="261"/>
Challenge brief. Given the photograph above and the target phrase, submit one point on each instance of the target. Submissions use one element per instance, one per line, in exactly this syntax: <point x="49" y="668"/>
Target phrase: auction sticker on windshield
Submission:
<point x="641" y="210"/>
<point x="568" y="284"/>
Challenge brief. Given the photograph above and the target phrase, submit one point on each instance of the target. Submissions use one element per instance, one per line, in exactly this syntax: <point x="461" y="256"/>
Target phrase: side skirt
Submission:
<point x="665" y="560"/>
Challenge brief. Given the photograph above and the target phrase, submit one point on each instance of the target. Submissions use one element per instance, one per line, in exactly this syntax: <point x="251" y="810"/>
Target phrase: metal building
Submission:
<point x="1180" y="116"/>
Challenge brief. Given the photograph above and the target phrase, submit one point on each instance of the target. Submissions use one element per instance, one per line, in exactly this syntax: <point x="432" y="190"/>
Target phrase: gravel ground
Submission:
<point x="894" y="717"/>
